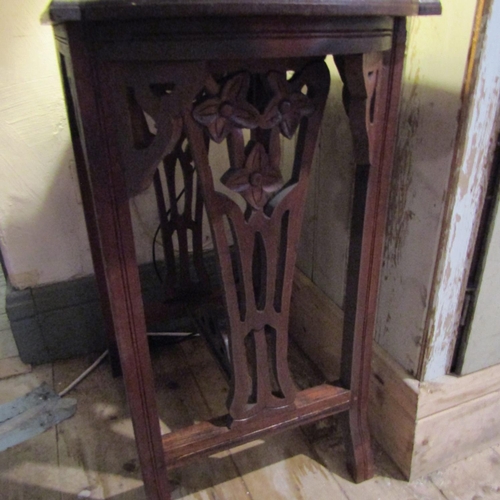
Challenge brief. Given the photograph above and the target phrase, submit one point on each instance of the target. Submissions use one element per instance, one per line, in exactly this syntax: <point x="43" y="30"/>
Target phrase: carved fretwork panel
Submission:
<point x="148" y="104"/>
<point x="361" y="76"/>
<point x="256" y="247"/>
<point x="181" y="219"/>
<point x="170" y="114"/>
<point x="151" y="89"/>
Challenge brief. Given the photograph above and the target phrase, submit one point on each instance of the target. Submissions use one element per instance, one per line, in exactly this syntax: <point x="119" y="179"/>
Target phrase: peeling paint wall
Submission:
<point x="433" y="78"/>
<point x="431" y="100"/>
<point x="466" y="199"/>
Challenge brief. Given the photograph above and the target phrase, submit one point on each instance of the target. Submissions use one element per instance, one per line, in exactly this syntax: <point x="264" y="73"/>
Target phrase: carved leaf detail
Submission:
<point x="287" y="107"/>
<point x="207" y="111"/>
<point x="222" y="113"/>
<point x="219" y="129"/>
<point x="257" y="180"/>
<point x="271" y="117"/>
<point x="237" y="87"/>
<point x="236" y="180"/>
<point x="245" y="115"/>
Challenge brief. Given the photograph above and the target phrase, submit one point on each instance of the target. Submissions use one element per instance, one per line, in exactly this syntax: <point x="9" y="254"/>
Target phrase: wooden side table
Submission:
<point x="158" y="81"/>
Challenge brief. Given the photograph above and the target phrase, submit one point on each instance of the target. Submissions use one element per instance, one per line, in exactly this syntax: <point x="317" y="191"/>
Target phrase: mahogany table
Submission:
<point x="155" y="82"/>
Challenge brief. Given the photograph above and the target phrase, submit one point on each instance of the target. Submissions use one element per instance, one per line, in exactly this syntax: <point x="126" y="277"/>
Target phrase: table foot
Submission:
<point x="357" y="443"/>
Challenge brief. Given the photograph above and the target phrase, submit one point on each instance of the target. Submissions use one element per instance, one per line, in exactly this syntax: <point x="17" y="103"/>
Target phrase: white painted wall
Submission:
<point x="466" y="199"/>
<point x="42" y="231"/>
<point x="40" y="220"/>
<point x="483" y="339"/>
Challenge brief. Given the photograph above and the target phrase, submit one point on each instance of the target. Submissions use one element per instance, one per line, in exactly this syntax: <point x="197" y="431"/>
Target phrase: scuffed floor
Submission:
<point x="92" y="455"/>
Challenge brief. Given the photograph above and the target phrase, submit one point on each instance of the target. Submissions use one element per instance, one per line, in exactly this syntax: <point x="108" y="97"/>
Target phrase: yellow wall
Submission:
<point x="42" y="231"/>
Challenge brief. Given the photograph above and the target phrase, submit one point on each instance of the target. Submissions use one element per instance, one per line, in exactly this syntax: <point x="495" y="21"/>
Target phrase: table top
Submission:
<point x="60" y="11"/>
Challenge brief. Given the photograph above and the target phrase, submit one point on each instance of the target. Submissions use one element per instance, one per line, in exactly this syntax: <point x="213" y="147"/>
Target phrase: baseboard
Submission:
<point x="56" y="321"/>
<point x="456" y="418"/>
<point x="422" y="426"/>
<point x="64" y="320"/>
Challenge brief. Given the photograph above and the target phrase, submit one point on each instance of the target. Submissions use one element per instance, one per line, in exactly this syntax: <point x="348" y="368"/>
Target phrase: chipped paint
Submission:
<point x="428" y="123"/>
<point x="465" y="203"/>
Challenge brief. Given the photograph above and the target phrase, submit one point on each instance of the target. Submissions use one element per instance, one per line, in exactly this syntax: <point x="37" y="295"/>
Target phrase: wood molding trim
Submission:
<point x="423" y="426"/>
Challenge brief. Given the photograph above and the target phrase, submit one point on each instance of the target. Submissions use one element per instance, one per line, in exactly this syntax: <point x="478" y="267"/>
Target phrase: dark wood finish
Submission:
<point x="211" y="38"/>
<point x="89" y="211"/>
<point x="181" y="214"/>
<point x="160" y="90"/>
<point x="111" y="230"/>
<point x="99" y="10"/>
<point x="203" y="439"/>
<point x="372" y="84"/>
<point x="265" y="236"/>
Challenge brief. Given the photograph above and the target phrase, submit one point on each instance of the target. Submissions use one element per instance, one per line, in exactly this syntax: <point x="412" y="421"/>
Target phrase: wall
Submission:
<point x="423" y="426"/>
<point x="467" y="190"/>
<point x="42" y="233"/>
<point x="325" y="234"/>
<point x="42" y="230"/>
<point x="435" y="65"/>
<point x="433" y="79"/>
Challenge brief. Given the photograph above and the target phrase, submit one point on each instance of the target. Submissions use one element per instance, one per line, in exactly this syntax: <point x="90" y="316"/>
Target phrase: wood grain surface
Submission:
<point x="77" y="10"/>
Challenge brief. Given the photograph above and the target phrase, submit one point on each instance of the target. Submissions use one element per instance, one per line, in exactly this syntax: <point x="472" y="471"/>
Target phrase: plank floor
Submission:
<point x="92" y="455"/>
<point x="10" y="363"/>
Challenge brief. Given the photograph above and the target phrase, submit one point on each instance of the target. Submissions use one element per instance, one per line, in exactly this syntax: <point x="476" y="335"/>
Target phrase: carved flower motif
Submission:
<point x="286" y="108"/>
<point x="222" y="113"/>
<point x="257" y="180"/>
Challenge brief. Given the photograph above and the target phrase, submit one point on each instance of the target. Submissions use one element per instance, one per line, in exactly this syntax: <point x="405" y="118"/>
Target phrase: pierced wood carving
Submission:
<point x="257" y="247"/>
<point x="138" y="105"/>
<point x="181" y="216"/>
<point x="171" y="113"/>
<point x="148" y="105"/>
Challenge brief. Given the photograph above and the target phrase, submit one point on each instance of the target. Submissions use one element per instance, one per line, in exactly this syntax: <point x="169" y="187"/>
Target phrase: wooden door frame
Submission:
<point x="479" y="123"/>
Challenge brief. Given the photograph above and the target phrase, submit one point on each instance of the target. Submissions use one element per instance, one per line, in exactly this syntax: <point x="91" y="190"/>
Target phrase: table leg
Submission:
<point x="90" y="216"/>
<point x="371" y="95"/>
<point x="104" y="190"/>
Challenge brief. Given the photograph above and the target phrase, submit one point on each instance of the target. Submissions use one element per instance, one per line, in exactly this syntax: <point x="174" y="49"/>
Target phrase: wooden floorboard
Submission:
<point x="97" y="454"/>
<point x="280" y="467"/>
<point x="475" y="478"/>
<point x="92" y="455"/>
<point x="12" y="366"/>
<point x="388" y="483"/>
<point x="215" y="480"/>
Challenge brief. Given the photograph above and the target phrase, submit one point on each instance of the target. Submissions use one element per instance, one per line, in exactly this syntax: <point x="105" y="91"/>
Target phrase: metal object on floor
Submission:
<point x="32" y="414"/>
